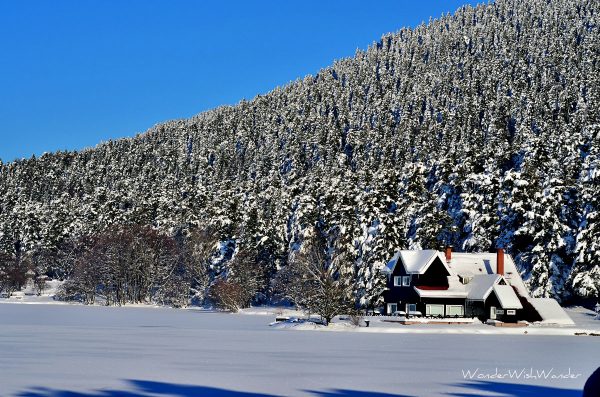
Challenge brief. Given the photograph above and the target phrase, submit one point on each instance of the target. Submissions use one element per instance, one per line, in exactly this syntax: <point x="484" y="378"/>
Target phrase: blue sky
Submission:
<point x="74" y="73"/>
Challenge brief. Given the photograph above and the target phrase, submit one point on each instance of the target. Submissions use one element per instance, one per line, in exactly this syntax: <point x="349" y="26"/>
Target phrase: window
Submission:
<point x="499" y="311"/>
<point x="392" y="308"/>
<point x="397" y="281"/>
<point x="434" y="310"/>
<point x="411" y="307"/>
<point x="455" y="310"/>
<point x="406" y="281"/>
<point x="511" y="312"/>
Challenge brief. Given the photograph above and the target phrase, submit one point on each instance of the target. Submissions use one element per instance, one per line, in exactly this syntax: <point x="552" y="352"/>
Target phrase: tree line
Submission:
<point x="139" y="264"/>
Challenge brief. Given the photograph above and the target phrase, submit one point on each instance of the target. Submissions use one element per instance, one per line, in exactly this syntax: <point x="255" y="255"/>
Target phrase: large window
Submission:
<point x="406" y="281"/>
<point x="397" y="281"/>
<point x="411" y="307"/>
<point x="455" y="310"/>
<point x="434" y="310"/>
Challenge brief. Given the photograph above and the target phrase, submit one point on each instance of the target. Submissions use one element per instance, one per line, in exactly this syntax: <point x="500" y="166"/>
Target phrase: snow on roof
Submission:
<point x="507" y="297"/>
<point x="463" y="264"/>
<point x="550" y="311"/>
<point x="414" y="261"/>
<point x="481" y="286"/>
<point x="417" y="261"/>
<point x="453" y="292"/>
<point x="389" y="267"/>
<point x="472" y="264"/>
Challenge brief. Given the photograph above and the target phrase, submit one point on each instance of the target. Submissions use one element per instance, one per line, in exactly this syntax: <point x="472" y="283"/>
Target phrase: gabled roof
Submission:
<point x="480" y="267"/>
<point x="415" y="261"/>
<point x="481" y="286"/>
<point x="507" y="297"/>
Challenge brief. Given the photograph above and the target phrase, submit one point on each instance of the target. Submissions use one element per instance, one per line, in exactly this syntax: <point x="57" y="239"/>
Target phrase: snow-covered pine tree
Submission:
<point x="585" y="277"/>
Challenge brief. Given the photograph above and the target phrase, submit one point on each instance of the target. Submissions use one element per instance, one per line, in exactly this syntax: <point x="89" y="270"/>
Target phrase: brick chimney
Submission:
<point x="448" y="251"/>
<point x="500" y="262"/>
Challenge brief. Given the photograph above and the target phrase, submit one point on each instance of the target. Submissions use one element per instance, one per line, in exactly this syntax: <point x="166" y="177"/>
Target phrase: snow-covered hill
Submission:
<point x="479" y="129"/>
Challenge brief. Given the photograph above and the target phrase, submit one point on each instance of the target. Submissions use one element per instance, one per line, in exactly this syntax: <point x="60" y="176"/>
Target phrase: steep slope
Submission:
<point x="479" y="129"/>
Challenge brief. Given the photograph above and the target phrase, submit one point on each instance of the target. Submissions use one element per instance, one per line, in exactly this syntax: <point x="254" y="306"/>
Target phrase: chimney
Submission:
<point x="448" y="251"/>
<point x="500" y="262"/>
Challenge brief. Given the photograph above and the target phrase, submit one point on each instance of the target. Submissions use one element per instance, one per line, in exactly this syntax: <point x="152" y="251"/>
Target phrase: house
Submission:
<point x="449" y="284"/>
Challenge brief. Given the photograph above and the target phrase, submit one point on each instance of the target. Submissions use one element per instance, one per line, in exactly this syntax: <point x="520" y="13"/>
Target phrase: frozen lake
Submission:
<point x="91" y="351"/>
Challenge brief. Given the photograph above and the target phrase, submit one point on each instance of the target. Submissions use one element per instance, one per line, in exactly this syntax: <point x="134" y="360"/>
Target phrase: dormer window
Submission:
<point x="465" y="279"/>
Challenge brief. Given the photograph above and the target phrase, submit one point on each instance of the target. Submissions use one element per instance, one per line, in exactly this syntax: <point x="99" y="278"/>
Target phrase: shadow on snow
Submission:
<point x="144" y="388"/>
<point x="512" y="390"/>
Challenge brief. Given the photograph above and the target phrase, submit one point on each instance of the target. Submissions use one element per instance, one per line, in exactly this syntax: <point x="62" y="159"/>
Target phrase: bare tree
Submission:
<point x="40" y="283"/>
<point x="131" y="264"/>
<point x="200" y="247"/>
<point x="247" y="271"/>
<point x="244" y="279"/>
<point x="312" y="280"/>
<point x="12" y="273"/>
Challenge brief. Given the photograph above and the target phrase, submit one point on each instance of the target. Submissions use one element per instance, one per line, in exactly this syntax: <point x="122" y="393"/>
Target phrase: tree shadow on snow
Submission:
<point x="351" y="393"/>
<point x="512" y="390"/>
<point x="144" y="388"/>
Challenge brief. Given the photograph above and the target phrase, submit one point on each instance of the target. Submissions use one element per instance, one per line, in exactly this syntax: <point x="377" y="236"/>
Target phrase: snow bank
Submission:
<point x="271" y="311"/>
<point x="423" y="320"/>
<point x="436" y="329"/>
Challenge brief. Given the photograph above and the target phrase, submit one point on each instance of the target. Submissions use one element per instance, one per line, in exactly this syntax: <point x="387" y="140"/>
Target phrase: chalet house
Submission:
<point x="484" y="285"/>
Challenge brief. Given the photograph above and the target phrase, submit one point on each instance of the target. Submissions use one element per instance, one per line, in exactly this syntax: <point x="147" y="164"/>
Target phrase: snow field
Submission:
<point x="54" y="350"/>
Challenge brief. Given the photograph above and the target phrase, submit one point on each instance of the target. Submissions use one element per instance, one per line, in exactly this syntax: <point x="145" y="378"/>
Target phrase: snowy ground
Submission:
<point x="93" y="351"/>
<point x="585" y="324"/>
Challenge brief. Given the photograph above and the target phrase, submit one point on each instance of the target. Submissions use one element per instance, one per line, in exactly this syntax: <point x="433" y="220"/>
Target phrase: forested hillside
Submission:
<point x="479" y="129"/>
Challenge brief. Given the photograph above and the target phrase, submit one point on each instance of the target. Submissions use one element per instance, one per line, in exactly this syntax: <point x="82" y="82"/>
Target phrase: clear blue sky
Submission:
<point x="78" y="72"/>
